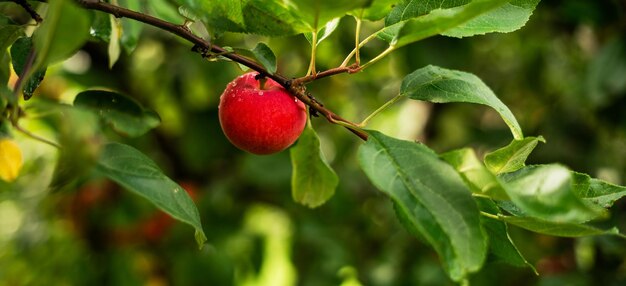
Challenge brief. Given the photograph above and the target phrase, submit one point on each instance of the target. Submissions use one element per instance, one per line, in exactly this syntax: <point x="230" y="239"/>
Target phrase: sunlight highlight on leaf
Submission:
<point x="440" y="85"/>
<point x="313" y="181"/>
<point x="430" y="199"/>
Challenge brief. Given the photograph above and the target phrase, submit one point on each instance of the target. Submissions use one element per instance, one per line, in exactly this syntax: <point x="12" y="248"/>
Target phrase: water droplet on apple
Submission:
<point x="234" y="84"/>
<point x="260" y="93"/>
<point x="296" y="100"/>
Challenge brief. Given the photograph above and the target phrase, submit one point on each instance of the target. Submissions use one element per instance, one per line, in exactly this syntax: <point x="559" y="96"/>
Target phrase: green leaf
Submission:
<point x="6" y="97"/>
<point x="317" y="12"/>
<point x="65" y="29"/>
<point x="389" y="33"/>
<point x="187" y="13"/>
<point x="262" y="17"/>
<point x="501" y="245"/>
<point x="20" y="53"/>
<point x="599" y="192"/>
<point x="431" y="197"/>
<point x="137" y="173"/>
<point x="114" y="42"/>
<point x="549" y="192"/>
<point x="5" y="19"/>
<point x="164" y="9"/>
<point x="266" y="57"/>
<point x="313" y="181"/>
<point x="477" y="177"/>
<point x="436" y="22"/>
<point x="511" y="208"/>
<point x="377" y="10"/>
<point x="505" y="19"/>
<point x="513" y="156"/>
<point x="408" y="9"/>
<point x="80" y="142"/>
<point x="8" y="34"/>
<point x="556" y="228"/>
<point x="131" y="29"/>
<point x="324" y="32"/>
<point x="108" y="28"/>
<point x="101" y="26"/>
<point x="604" y="79"/>
<point x="439" y="85"/>
<point x="5" y="74"/>
<point x="122" y="113"/>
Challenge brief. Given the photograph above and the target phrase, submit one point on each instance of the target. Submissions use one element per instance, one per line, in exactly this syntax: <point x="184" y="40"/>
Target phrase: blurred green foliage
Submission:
<point x="563" y="76"/>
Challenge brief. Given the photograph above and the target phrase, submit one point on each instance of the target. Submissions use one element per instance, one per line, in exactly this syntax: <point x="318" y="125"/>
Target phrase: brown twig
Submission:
<point x="297" y="88"/>
<point x="354" y="68"/>
<point x="35" y="137"/>
<point x="33" y="14"/>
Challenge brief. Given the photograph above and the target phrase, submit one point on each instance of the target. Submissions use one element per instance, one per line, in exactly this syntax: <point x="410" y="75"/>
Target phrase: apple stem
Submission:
<point x="262" y="79"/>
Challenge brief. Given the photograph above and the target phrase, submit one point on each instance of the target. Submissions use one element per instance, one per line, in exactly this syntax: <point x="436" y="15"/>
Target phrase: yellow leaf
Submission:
<point x="10" y="160"/>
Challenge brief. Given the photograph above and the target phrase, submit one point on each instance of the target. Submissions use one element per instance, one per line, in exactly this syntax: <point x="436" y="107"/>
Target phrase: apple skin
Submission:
<point x="260" y="120"/>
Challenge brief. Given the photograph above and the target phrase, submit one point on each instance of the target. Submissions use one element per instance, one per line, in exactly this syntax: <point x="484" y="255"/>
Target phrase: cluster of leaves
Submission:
<point x="456" y="202"/>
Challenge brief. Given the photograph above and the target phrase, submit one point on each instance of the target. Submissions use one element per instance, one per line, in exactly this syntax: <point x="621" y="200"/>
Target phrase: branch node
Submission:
<point x="199" y="49"/>
<point x="354" y="68"/>
<point x="185" y="25"/>
<point x="203" y="51"/>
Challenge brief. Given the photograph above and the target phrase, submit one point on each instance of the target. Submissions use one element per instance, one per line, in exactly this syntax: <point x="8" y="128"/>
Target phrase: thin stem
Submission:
<point x="313" y="51"/>
<point x="348" y="125"/>
<point x="334" y="71"/>
<point x="476" y="195"/>
<point x="377" y="111"/>
<point x="490" y="215"/>
<point x="33" y="14"/>
<point x="353" y="52"/>
<point x="35" y="137"/>
<point x="356" y="41"/>
<point x="377" y="58"/>
<point x="202" y="45"/>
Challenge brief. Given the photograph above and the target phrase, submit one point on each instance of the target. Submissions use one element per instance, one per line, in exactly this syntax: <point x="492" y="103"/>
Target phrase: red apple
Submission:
<point x="260" y="119"/>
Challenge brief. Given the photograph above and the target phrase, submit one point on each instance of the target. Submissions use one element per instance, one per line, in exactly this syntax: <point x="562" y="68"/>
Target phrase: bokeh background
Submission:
<point x="563" y="76"/>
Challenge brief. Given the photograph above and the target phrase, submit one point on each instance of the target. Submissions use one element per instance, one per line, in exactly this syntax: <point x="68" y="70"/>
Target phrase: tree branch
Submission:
<point x="354" y="68"/>
<point x="33" y="14"/>
<point x="297" y="88"/>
